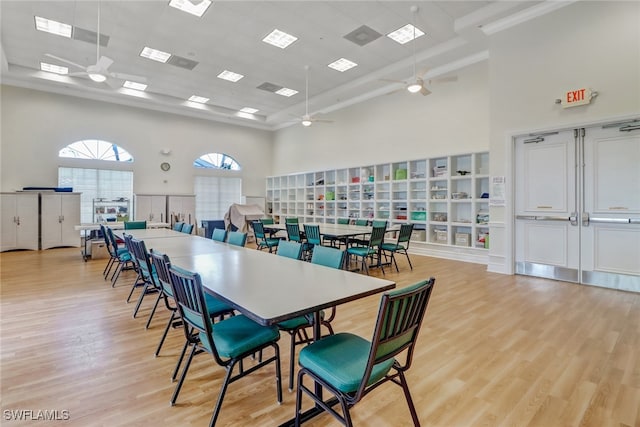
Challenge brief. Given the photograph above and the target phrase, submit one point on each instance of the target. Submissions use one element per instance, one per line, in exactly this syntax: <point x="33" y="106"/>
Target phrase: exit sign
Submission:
<point x="576" y="97"/>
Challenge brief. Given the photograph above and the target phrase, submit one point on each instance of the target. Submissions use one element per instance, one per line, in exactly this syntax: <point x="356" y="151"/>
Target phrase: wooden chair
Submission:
<point x="350" y="367"/>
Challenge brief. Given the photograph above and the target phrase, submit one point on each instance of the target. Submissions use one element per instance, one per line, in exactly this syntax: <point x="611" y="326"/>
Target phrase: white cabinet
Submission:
<point x="181" y="208"/>
<point x="150" y="207"/>
<point x="446" y="198"/>
<point x="19" y="221"/>
<point x="59" y="214"/>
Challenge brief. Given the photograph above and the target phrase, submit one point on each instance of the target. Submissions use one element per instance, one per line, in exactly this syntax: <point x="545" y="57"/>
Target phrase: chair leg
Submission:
<point x="407" y="395"/>
<point x="223" y="390"/>
<point x="393" y="258"/>
<point x="166" y="331"/>
<point x="291" y="359"/>
<point x="408" y="259"/>
<point x="145" y="290"/>
<point x="153" y="310"/>
<point x="107" y="268"/>
<point x="180" y="359"/>
<point x="182" y="377"/>
<point x="136" y="283"/>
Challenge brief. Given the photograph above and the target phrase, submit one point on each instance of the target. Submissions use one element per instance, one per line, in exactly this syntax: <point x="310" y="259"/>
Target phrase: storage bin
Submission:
<point x="99" y="250"/>
<point x="462" y="239"/>
<point x="419" y="216"/>
<point x="401" y="174"/>
<point x="441" y="236"/>
<point x="419" y="235"/>
<point x="330" y="195"/>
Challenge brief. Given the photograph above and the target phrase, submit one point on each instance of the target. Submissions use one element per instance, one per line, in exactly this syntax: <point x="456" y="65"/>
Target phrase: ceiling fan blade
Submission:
<point x="394" y="81"/>
<point x="424" y="91"/>
<point x="66" y="61"/>
<point x="321" y="121"/>
<point x="448" y="79"/>
<point x="113" y="84"/>
<point x="130" y="77"/>
<point x="104" y="62"/>
<point x="78" y="74"/>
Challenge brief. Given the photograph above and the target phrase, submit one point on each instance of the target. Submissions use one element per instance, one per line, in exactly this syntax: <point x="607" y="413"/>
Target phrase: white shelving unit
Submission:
<point x="446" y="198"/>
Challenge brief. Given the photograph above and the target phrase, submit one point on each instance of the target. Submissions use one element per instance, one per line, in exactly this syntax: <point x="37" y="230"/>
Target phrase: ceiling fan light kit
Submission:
<point x="415" y="87"/>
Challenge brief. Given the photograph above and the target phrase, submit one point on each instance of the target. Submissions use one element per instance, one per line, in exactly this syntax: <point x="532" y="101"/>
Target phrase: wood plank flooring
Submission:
<point x="494" y="350"/>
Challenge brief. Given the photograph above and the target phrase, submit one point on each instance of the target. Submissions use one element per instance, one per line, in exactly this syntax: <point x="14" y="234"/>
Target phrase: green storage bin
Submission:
<point x="330" y="195"/>
<point x="419" y="216"/>
<point x="401" y="174"/>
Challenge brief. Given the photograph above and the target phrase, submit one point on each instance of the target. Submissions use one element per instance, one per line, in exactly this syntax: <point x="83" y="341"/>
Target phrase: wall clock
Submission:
<point x="165" y="166"/>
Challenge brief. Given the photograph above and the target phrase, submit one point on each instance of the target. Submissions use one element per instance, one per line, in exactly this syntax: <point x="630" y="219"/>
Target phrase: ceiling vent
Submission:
<point x="269" y="87"/>
<point x="90" y="36"/>
<point x="363" y="35"/>
<point x="181" y="62"/>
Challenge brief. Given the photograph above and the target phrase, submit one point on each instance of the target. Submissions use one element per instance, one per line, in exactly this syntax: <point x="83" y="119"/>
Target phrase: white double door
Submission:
<point x="577" y="204"/>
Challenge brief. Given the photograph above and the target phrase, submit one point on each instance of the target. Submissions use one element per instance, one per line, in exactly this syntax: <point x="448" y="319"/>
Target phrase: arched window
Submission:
<point x="216" y="161"/>
<point x="96" y="149"/>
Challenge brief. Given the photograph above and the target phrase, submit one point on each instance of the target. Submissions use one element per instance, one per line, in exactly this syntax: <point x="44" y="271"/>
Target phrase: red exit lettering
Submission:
<point x="575" y="95"/>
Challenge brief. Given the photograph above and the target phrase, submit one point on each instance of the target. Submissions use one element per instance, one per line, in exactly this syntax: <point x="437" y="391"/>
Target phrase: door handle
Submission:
<point x="634" y="220"/>
<point x="612" y="220"/>
<point x="545" y="218"/>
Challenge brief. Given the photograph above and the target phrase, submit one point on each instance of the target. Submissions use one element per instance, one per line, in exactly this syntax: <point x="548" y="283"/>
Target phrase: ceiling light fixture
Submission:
<point x="50" y="68"/>
<point x="194" y="7"/>
<point x="249" y="110"/>
<point x="155" y="54"/>
<point x="230" y="76"/>
<point x="198" y="99"/>
<point x="286" y="92"/>
<point x="279" y="39"/>
<point x="406" y="34"/>
<point x="134" y="85"/>
<point x="53" y="27"/>
<point x="342" y="65"/>
<point x="96" y="77"/>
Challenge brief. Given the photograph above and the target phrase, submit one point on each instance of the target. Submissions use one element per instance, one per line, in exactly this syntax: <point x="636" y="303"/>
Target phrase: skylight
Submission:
<point x="53" y="27"/>
<point x="195" y="8"/>
<point x="286" y="92"/>
<point x="342" y="65"/>
<point x="405" y="34"/>
<point x="50" y="68"/>
<point x="230" y="76"/>
<point x="133" y="85"/>
<point x="155" y="55"/>
<point x="279" y="39"/>
<point x="249" y="110"/>
<point x="198" y="99"/>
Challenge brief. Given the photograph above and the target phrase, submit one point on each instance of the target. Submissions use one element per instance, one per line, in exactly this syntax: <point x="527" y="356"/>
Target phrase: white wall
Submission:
<point x="401" y="126"/>
<point x="36" y="125"/>
<point x="587" y="44"/>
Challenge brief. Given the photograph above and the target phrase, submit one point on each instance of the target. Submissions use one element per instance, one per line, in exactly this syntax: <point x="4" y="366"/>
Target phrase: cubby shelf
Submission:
<point x="445" y="197"/>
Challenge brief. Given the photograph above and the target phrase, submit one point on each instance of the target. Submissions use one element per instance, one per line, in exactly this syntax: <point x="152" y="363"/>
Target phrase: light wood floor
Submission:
<point x="495" y="350"/>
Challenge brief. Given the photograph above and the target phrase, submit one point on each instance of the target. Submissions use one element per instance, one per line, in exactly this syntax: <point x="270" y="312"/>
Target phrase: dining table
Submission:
<point x="267" y="288"/>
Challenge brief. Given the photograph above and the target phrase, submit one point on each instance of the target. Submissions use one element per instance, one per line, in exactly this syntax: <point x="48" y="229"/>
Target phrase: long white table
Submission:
<point x="152" y="233"/>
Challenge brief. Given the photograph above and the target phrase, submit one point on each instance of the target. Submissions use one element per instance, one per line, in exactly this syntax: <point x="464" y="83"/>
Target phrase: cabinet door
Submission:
<point x="151" y="208"/>
<point x="51" y="220"/>
<point x="70" y="212"/>
<point x="27" y="213"/>
<point x="182" y="208"/>
<point x="8" y="223"/>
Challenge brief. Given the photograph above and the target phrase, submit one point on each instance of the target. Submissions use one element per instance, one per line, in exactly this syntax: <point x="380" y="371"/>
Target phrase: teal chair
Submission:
<point x="362" y="221"/>
<point x="337" y="241"/>
<point x="401" y="245"/>
<point x="312" y="234"/>
<point x="262" y="241"/>
<point x="135" y="225"/>
<point x="216" y="308"/>
<point x="294" y="235"/>
<point x="230" y="341"/>
<point x="349" y="366"/>
<point x="122" y="259"/>
<point x="267" y="221"/>
<point x="148" y="274"/>
<point x="237" y="238"/>
<point x="290" y="249"/>
<point x="219" y="235"/>
<point x="298" y="326"/>
<point x="114" y="252"/>
<point x="344" y="221"/>
<point x="178" y="226"/>
<point x="370" y="250"/>
<point x="187" y="228"/>
<point x="359" y="241"/>
<point x="292" y="220"/>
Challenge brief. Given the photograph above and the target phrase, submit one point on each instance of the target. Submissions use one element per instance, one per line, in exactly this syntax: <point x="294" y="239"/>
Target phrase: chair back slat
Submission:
<point x="329" y="257"/>
<point x="142" y="257"/>
<point x="189" y="296"/>
<point x="405" y="233"/>
<point x="237" y="238"/>
<point x="399" y="320"/>
<point x="293" y="232"/>
<point x="161" y="264"/>
<point x="258" y="230"/>
<point x="135" y="225"/>
<point x="377" y="236"/>
<point x="312" y="232"/>
<point x="290" y="249"/>
<point x="267" y="221"/>
<point x="219" y="235"/>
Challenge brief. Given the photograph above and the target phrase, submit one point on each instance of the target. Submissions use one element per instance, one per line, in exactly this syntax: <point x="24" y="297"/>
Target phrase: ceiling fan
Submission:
<point x="99" y="72"/>
<point x="417" y="84"/>
<point x="307" y="120"/>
